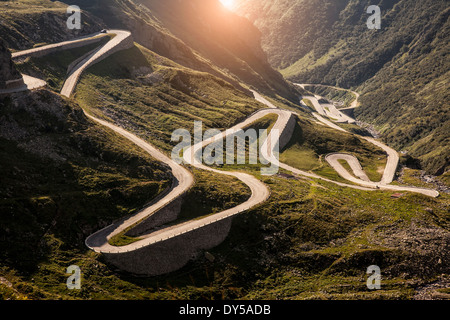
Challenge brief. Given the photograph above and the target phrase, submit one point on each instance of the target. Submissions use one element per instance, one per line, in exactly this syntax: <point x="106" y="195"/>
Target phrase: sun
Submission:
<point x="229" y="4"/>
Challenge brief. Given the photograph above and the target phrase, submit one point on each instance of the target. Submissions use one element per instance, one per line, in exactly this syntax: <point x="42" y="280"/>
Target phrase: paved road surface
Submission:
<point x="392" y="155"/>
<point x="329" y="110"/>
<point x="356" y="94"/>
<point x="183" y="181"/>
<point x="354" y="163"/>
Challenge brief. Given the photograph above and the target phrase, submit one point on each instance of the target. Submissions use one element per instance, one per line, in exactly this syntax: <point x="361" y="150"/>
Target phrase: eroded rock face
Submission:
<point x="8" y="72"/>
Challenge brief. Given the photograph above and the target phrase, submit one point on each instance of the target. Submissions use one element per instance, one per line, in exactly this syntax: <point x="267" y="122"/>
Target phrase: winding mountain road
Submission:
<point x="356" y="94"/>
<point x="183" y="179"/>
<point x="361" y="177"/>
<point x="110" y="47"/>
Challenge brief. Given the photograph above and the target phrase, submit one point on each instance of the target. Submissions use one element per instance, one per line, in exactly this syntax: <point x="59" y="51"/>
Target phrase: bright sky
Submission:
<point x="229" y="4"/>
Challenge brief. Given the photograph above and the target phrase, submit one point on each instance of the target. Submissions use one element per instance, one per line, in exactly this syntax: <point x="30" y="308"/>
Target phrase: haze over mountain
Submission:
<point x="401" y="70"/>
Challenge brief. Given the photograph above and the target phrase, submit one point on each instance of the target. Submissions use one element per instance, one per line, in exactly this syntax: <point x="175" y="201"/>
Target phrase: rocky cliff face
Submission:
<point x="8" y="71"/>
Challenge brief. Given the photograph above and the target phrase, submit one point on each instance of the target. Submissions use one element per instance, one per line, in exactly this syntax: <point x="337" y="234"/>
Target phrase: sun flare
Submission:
<point x="229" y="4"/>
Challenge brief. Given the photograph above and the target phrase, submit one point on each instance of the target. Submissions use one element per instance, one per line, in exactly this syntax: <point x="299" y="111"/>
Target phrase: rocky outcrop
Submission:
<point x="9" y="76"/>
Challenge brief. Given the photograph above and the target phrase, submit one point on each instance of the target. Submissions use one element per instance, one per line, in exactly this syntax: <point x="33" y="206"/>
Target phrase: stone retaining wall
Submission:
<point x="126" y="43"/>
<point x="167" y="214"/>
<point x="288" y="131"/>
<point x="77" y="61"/>
<point x="172" y="254"/>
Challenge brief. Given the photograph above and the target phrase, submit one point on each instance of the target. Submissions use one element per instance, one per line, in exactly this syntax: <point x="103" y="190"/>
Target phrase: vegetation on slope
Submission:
<point x="401" y="70"/>
<point x="344" y="98"/>
<point x="53" y="68"/>
<point x="312" y="240"/>
<point x="63" y="177"/>
<point x="312" y="142"/>
<point x="153" y="96"/>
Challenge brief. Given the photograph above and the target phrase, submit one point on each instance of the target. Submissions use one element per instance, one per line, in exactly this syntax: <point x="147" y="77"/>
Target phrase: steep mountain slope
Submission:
<point x="63" y="176"/>
<point x="198" y="34"/>
<point x="401" y="70"/>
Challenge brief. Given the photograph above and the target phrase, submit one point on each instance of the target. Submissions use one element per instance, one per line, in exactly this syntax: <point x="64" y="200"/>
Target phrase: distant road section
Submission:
<point x="356" y="94"/>
<point x="329" y="110"/>
<point x="359" y="176"/>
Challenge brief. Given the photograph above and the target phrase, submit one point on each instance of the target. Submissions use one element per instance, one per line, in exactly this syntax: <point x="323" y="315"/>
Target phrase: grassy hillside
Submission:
<point x="153" y="96"/>
<point x="63" y="177"/>
<point x="311" y="240"/>
<point x="401" y="70"/>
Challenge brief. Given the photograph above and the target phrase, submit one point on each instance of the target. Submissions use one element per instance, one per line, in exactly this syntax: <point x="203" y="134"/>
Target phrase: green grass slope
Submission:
<point x="401" y="70"/>
<point x="64" y="177"/>
<point x="311" y="240"/>
<point x="153" y="97"/>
